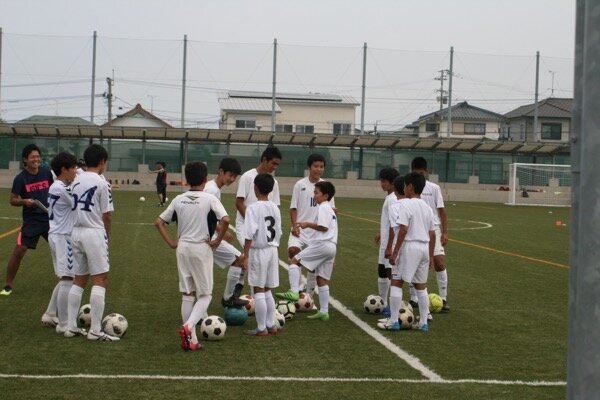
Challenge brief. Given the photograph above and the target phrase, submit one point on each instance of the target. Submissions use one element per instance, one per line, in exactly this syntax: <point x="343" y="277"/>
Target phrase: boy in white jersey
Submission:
<point x="262" y="233"/>
<point x="93" y="207"/>
<point x="303" y="207"/>
<point x="412" y="252"/>
<point x="226" y="255"/>
<point x="61" y="218"/>
<point x="432" y="195"/>
<point x="194" y="248"/>
<point x="384" y="268"/>
<point x="319" y="256"/>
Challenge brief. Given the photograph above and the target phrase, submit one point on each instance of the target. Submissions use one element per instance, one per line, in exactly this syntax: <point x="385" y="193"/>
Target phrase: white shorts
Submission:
<point x="382" y="259"/>
<point x="319" y="258"/>
<point x="239" y="232"/>
<point x="413" y="262"/>
<point x="225" y="254"/>
<point x="194" y="263"/>
<point x="299" y="242"/>
<point x="263" y="267"/>
<point x="61" y="250"/>
<point x="90" y="248"/>
<point x="439" y="249"/>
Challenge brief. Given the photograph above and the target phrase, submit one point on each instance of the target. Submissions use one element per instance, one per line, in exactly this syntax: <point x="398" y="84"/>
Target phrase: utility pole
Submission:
<point x="552" y="88"/>
<point x="109" y="98"/>
<point x="442" y="98"/>
<point x="93" y="96"/>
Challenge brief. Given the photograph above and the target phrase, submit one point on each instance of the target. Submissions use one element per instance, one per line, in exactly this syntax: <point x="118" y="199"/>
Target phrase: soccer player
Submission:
<point x="262" y="232"/>
<point x="161" y="182"/>
<point x="226" y="255"/>
<point x="93" y="207"/>
<point x="30" y="187"/>
<point x="384" y="269"/>
<point x="62" y="219"/>
<point x="319" y="256"/>
<point x="432" y="195"/>
<point x="194" y="248"/>
<point x="412" y="252"/>
<point x="303" y="207"/>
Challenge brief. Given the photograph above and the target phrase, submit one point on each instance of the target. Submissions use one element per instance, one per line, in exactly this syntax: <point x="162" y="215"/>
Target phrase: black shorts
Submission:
<point x="162" y="189"/>
<point x="31" y="232"/>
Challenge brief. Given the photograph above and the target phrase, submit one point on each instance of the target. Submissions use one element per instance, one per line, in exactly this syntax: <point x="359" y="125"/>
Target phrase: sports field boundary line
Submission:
<point x="282" y="379"/>
<point x="8" y="233"/>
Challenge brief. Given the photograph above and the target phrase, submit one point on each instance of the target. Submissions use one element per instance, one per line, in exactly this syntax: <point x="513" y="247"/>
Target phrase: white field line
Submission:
<point x="281" y="379"/>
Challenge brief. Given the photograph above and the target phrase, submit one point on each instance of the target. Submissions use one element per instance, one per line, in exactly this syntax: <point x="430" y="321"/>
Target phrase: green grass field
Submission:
<point x="504" y="338"/>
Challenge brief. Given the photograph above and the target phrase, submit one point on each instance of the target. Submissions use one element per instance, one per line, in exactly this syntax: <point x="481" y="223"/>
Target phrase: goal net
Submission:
<point x="540" y="185"/>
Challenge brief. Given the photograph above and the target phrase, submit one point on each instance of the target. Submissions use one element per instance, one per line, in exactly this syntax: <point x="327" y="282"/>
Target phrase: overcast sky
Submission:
<point x="422" y="28"/>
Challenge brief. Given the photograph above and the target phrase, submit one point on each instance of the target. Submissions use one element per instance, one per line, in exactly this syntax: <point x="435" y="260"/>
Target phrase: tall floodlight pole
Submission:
<point x="93" y="78"/>
<point x="584" y="274"/>
<point x="535" y="107"/>
<point x="274" y="93"/>
<point x="450" y="91"/>
<point x="183" y="81"/>
<point x="0" y="71"/>
<point x="364" y="86"/>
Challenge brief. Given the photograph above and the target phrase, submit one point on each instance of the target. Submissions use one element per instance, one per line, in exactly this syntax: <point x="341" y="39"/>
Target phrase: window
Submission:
<point x="552" y="131"/>
<point x="245" y="124"/>
<point x="284" y="128"/>
<point x="431" y="127"/>
<point x="341" y="128"/>
<point x="474" y="129"/>
<point x="305" y="129"/>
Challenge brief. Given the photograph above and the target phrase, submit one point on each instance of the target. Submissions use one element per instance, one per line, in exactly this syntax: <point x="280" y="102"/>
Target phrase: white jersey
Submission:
<point x="432" y="195"/>
<point x="212" y="188"/>
<point x="303" y="200"/>
<point x="263" y="224"/>
<point x="326" y="217"/>
<point x="395" y="212"/>
<point x="92" y="198"/>
<point x="190" y="210"/>
<point x="246" y="191"/>
<point x="384" y="224"/>
<point x="418" y="217"/>
<point x="60" y="208"/>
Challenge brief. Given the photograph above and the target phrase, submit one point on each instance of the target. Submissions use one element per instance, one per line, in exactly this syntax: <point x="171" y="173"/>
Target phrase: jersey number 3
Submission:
<point x="270" y="227"/>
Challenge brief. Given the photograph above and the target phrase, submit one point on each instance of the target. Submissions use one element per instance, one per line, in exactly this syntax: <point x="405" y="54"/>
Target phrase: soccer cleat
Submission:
<point x="256" y="332"/>
<point x="186" y="337"/>
<point x="386" y="312"/>
<point x="429" y="318"/>
<point x="49" y="320"/>
<point x="61" y="329"/>
<point x="422" y="328"/>
<point x="289" y="295"/>
<point x="237" y="290"/>
<point x="196" y="346"/>
<point x="234" y="302"/>
<point x="321" y="316"/>
<point x="445" y="307"/>
<point x="272" y="330"/>
<point x="6" y="291"/>
<point x="388" y="325"/>
<point x="102" y="336"/>
<point x="69" y="333"/>
<point x="414" y="304"/>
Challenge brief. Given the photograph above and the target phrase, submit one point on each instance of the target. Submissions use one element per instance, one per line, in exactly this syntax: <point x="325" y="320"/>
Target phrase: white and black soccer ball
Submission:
<point x="142" y="199"/>
<point x="213" y="327"/>
<point x="406" y="306"/>
<point x="406" y="319"/>
<point x="250" y="305"/>
<point x="374" y="304"/>
<point x="115" y="324"/>
<point x="304" y="303"/>
<point x="286" y="308"/>
<point x="84" y="317"/>
<point x="279" y="320"/>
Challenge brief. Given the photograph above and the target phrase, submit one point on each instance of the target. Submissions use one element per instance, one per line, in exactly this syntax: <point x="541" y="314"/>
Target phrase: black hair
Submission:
<point x="81" y="163"/>
<point x="264" y="183"/>
<point x="327" y="188"/>
<point x="230" y="165"/>
<point x="27" y="150"/>
<point x="270" y="153"/>
<point x="195" y="173"/>
<point x="94" y="155"/>
<point x="399" y="185"/>
<point x="418" y="163"/>
<point x="63" y="160"/>
<point x="162" y="164"/>
<point x="417" y="181"/>
<point x="314" y="158"/>
<point x="388" y="174"/>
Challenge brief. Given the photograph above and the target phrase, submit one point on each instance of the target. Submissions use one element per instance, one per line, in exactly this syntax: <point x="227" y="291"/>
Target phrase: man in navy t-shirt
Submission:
<point x="31" y="184"/>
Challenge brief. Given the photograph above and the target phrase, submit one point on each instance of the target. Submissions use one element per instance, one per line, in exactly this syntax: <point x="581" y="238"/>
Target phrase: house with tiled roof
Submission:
<point x="55" y="120"/>
<point x="138" y="117"/>
<point x="468" y="122"/>
<point x="554" y="121"/>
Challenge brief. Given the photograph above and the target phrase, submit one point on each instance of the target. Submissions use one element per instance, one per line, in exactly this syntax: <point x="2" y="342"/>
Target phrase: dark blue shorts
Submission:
<point x="31" y="232"/>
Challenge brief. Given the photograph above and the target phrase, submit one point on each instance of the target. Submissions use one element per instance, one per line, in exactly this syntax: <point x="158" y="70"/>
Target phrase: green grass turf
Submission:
<point x="507" y="291"/>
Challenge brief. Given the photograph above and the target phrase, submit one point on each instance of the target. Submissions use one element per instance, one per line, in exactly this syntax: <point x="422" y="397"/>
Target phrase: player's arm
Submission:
<point x="312" y="225"/>
<point x="388" y="248"/>
<point x="17" y="201"/>
<point x="401" y="235"/>
<point x="107" y="220"/>
<point x="294" y="218"/>
<point x="431" y="247"/>
<point x="224" y="223"/>
<point x="162" y="229"/>
<point x="444" y="221"/>
<point x="240" y="206"/>
<point x="246" y="253"/>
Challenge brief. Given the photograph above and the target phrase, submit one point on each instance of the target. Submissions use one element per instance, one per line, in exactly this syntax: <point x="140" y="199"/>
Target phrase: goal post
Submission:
<point x="539" y="185"/>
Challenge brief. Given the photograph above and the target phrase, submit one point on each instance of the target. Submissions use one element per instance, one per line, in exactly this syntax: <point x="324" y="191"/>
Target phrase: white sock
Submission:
<point x="75" y="295"/>
<point x="324" y="299"/>
<point x="311" y="282"/>
<point x="97" y="300"/>
<point x="199" y="311"/>
<point x="187" y="303"/>
<point x="260" y="310"/>
<point x="384" y="286"/>
<point x="233" y="278"/>
<point x="52" y="306"/>
<point x="395" y="302"/>
<point x="294" y="275"/>
<point x="442" y="280"/>
<point x="270" y="301"/>
<point x="62" y="302"/>
<point x="413" y="293"/>
<point x="423" y="306"/>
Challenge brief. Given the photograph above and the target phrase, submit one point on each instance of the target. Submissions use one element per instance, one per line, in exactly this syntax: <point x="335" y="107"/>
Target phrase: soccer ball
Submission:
<point x="435" y="303"/>
<point x="406" y="306"/>
<point x="115" y="324"/>
<point x="304" y="303"/>
<point x="142" y="199"/>
<point x="250" y="305"/>
<point x="406" y="319"/>
<point x="235" y="316"/>
<point x="213" y="328"/>
<point x="286" y="308"/>
<point x="84" y="318"/>
<point x="374" y="304"/>
<point x="279" y="320"/>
